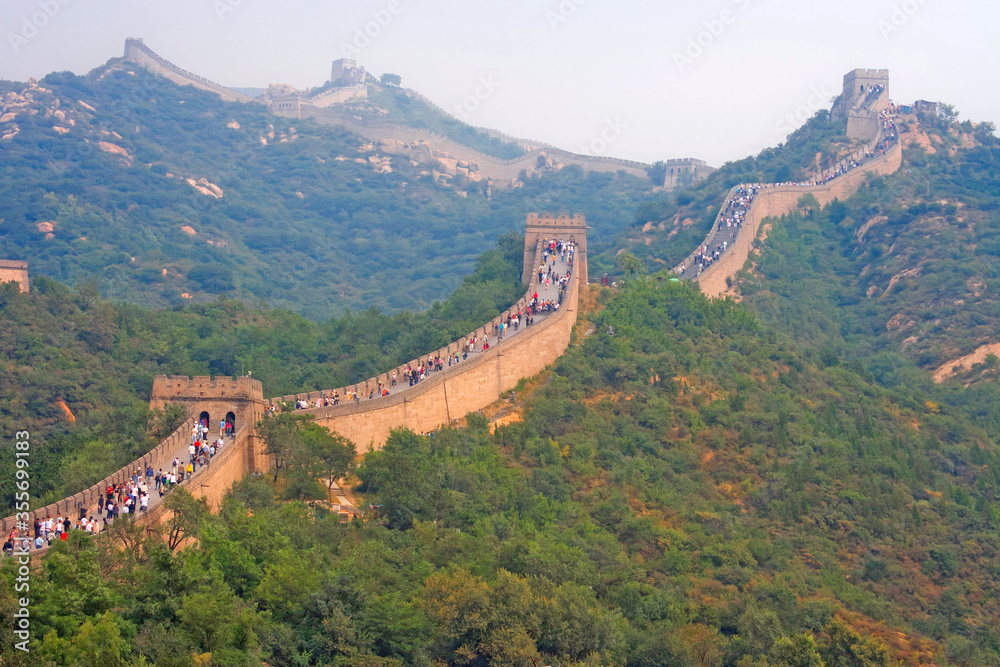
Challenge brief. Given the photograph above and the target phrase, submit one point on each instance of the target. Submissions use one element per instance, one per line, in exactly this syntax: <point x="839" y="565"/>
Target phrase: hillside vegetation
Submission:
<point x="905" y="273"/>
<point x="165" y="195"/>
<point x="686" y="488"/>
<point x="777" y="481"/>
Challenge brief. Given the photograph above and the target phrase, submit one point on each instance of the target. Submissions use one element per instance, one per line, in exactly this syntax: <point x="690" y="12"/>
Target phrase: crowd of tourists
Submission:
<point x="549" y="276"/>
<point x="731" y="218"/>
<point x="129" y="497"/>
<point x="133" y="496"/>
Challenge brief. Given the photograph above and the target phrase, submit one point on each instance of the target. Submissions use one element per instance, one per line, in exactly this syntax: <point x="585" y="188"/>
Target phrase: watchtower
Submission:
<point x="858" y="84"/>
<point x="239" y="401"/>
<point x="346" y="71"/>
<point x="12" y="271"/>
<point x="555" y="228"/>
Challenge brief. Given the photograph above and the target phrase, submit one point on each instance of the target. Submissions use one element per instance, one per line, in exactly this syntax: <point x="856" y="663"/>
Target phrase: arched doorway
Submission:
<point x="230" y="423"/>
<point x="205" y="419"/>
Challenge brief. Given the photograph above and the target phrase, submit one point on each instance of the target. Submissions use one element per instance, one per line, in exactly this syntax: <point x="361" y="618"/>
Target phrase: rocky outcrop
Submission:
<point x="205" y="187"/>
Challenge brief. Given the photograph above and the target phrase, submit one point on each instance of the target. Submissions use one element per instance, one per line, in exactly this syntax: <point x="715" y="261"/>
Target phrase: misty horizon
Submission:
<point x="716" y="82"/>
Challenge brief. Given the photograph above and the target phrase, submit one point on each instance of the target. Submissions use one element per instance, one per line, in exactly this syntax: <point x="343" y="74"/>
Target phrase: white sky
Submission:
<point x="562" y="71"/>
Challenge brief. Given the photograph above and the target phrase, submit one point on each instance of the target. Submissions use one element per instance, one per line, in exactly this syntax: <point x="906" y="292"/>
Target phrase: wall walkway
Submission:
<point x="441" y="399"/>
<point x="776" y="200"/>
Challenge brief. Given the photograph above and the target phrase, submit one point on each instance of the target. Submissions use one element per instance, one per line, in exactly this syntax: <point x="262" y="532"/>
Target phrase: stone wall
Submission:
<point x="141" y="54"/>
<point x="857" y="83"/>
<point x="504" y="172"/>
<point x="454" y="392"/>
<point x="473" y="384"/>
<point x="560" y="227"/>
<point x="782" y="200"/>
<point x="442" y="399"/>
<point x="244" y="397"/>
<point x="88" y="497"/>
<point x="227" y="467"/>
<point x="12" y="271"/>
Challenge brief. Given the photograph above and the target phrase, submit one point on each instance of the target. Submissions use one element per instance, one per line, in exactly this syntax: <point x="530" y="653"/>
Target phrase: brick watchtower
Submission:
<point x="240" y="401"/>
<point x="557" y="228"/>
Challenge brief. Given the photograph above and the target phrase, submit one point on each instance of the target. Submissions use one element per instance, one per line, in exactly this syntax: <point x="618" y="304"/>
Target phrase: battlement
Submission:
<point x="562" y="220"/>
<point x="861" y="73"/>
<point x="184" y="387"/>
<point x="13" y="271"/>
<point x="858" y="98"/>
<point x="685" y="161"/>
<point x="562" y="226"/>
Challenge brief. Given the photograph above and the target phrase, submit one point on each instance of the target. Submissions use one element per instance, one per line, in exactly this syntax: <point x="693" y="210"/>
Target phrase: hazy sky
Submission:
<point x="642" y="80"/>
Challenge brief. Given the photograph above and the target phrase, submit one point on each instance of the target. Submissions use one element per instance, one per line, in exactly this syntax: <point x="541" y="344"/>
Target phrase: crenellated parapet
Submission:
<point x="183" y="388"/>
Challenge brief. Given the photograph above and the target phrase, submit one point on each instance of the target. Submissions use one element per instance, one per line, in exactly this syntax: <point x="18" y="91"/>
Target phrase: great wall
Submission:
<point x="442" y="399"/>
<point x="407" y="141"/>
<point x="865" y="96"/>
<point x="471" y="385"/>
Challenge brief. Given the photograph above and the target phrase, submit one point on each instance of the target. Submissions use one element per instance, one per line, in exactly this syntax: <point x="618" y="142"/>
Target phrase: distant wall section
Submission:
<point x="782" y="200"/>
<point x="141" y="54"/>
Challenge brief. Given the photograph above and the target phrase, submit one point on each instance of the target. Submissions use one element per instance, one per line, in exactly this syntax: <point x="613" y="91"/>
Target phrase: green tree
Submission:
<point x="796" y="651"/>
<point x="847" y="648"/>
<point x="330" y="455"/>
<point x="280" y="433"/>
<point x="187" y="514"/>
<point x="759" y="628"/>
<point x="630" y="265"/>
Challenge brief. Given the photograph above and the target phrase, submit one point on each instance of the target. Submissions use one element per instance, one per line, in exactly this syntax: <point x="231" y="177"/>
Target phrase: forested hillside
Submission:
<point x="164" y="195"/>
<point x="774" y="481"/>
<point x="687" y="487"/>
<point x="903" y="274"/>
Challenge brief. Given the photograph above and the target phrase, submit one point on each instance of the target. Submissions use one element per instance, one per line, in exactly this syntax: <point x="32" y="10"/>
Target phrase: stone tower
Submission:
<point x="12" y="271"/>
<point x="857" y="84"/>
<point x="240" y="401"/>
<point x="861" y="104"/>
<point x="555" y="228"/>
